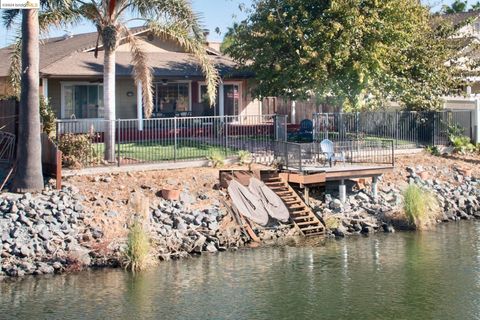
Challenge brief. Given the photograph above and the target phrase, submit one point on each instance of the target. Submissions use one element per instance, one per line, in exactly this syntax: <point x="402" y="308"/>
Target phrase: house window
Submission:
<point x="171" y="98"/>
<point x="231" y="98"/>
<point x="208" y="110"/>
<point x="82" y="101"/>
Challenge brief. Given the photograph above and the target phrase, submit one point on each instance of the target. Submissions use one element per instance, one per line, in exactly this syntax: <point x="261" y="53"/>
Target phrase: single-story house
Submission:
<point x="71" y="77"/>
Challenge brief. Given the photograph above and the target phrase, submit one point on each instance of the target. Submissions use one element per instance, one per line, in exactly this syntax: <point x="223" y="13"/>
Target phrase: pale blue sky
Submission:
<point x="215" y="13"/>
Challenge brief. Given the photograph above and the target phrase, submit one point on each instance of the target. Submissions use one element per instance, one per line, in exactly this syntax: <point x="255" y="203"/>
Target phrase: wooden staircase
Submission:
<point x="301" y="214"/>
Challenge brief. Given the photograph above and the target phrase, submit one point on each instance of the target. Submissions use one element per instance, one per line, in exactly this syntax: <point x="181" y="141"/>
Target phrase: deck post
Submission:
<point x="342" y="189"/>
<point x="374" y="187"/>
<point x="307" y="195"/>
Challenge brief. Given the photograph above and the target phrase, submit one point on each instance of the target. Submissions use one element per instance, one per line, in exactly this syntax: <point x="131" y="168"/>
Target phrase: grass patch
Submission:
<point x="138" y="247"/>
<point x="332" y="223"/>
<point x="166" y="151"/>
<point x="420" y="206"/>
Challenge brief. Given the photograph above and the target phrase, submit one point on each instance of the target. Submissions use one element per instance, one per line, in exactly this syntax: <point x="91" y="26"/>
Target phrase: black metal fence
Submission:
<point x="311" y="157"/>
<point x="407" y="129"/>
<point x="172" y="139"/>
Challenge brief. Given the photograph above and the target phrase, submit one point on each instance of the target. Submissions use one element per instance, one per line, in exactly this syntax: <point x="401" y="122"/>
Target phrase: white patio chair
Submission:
<point x="328" y="150"/>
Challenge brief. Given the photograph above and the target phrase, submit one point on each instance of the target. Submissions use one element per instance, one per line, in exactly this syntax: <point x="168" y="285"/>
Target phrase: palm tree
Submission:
<point x="25" y="64"/>
<point x="456" y="7"/>
<point x="168" y="19"/>
<point x="475" y="6"/>
<point x="29" y="177"/>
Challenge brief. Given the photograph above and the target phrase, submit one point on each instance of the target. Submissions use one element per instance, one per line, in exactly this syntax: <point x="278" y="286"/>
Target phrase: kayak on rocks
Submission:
<point x="271" y="201"/>
<point x="247" y="203"/>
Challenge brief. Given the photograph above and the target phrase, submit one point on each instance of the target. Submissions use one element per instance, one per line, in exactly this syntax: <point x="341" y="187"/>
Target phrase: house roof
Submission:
<point x="164" y="64"/>
<point x="454" y="19"/>
<point x="73" y="56"/>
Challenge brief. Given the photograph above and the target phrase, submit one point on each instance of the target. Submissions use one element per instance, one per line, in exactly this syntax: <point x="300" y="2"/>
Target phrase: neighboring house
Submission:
<point x="71" y="77"/>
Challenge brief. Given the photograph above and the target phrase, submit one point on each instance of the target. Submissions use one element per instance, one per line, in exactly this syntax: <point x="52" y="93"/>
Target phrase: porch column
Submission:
<point x="45" y="88"/>
<point x="221" y="99"/>
<point x="139" y="106"/>
<point x="294" y="104"/>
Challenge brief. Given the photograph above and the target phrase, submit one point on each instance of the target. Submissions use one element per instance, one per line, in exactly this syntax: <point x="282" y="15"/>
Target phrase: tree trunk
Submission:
<point x="29" y="177"/>
<point x="109" y="102"/>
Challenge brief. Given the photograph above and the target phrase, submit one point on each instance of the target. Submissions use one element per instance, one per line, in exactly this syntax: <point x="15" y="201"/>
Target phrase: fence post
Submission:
<point x="397" y="124"/>
<point x="117" y="144"/>
<point x="226" y="138"/>
<point x="434" y="127"/>
<point x="175" y="139"/>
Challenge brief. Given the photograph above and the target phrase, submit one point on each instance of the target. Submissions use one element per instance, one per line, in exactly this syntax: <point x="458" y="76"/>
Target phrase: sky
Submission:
<point x="215" y="14"/>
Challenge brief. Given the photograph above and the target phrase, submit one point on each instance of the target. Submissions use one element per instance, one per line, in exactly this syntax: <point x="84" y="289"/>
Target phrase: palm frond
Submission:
<point x="171" y="11"/>
<point x="191" y="44"/>
<point x="59" y="18"/>
<point x="14" y="71"/>
<point x="9" y="16"/>
<point x="142" y="73"/>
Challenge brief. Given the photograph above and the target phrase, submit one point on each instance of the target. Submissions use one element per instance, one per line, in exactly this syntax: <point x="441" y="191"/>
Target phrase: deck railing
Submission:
<point x="174" y="139"/>
<point x="309" y="156"/>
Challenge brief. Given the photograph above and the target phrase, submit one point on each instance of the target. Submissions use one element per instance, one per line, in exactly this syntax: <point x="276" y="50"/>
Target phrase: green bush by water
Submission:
<point x="420" y="206"/>
<point x="138" y="247"/>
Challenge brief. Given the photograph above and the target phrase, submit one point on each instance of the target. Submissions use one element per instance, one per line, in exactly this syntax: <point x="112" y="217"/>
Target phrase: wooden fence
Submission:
<point x="9" y="116"/>
<point x="303" y="109"/>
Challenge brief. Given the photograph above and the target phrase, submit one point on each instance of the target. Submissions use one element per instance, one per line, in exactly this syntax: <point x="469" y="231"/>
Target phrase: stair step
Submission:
<point x="312" y="228"/>
<point x="308" y="223"/>
<point x="292" y="202"/>
<point x="280" y="193"/>
<point x="310" y="218"/>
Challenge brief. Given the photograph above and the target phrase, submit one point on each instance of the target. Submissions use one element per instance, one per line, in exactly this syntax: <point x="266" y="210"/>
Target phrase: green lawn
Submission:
<point x="153" y="151"/>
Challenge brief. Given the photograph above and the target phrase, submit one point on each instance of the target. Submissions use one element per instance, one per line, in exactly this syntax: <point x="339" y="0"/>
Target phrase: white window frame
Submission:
<point x="189" y="82"/>
<point x="62" y="95"/>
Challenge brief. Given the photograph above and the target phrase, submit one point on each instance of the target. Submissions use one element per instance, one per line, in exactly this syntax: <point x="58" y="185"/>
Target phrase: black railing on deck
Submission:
<point x="310" y="157"/>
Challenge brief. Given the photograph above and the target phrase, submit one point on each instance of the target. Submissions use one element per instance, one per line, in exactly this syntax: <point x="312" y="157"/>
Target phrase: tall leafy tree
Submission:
<point x="169" y="19"/>
<point x="352" y="53"/>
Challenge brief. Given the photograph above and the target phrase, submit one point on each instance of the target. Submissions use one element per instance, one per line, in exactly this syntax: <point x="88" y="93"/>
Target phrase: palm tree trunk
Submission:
<point x="29" y="177"/>
<point x="109" y="102"/>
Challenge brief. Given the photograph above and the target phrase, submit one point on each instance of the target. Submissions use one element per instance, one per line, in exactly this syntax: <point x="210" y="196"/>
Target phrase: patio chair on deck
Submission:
<point x="328" y="150"/>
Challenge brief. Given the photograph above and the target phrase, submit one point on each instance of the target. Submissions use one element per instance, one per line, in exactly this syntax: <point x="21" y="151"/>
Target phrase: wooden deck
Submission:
<point x="315" y="176"/>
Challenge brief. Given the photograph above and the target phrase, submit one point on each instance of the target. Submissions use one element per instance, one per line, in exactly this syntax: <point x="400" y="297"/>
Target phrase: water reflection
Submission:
<point x="429" y="275"/>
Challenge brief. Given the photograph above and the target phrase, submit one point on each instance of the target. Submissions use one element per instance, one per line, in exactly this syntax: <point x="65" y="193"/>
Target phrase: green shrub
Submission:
<point x="433" y="150"/>
<point x="420" y="206"/>
<point x="48" y="118"/>
<point x="76" y="149"/>
<point x="217" y="159"/>
<point x="244" y="156"/>
<point x="462" y="144"/>
<point x="138" y="247"/>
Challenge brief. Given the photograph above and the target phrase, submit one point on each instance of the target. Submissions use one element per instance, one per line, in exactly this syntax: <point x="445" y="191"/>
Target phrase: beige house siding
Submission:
<point x="126" y="106"/>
